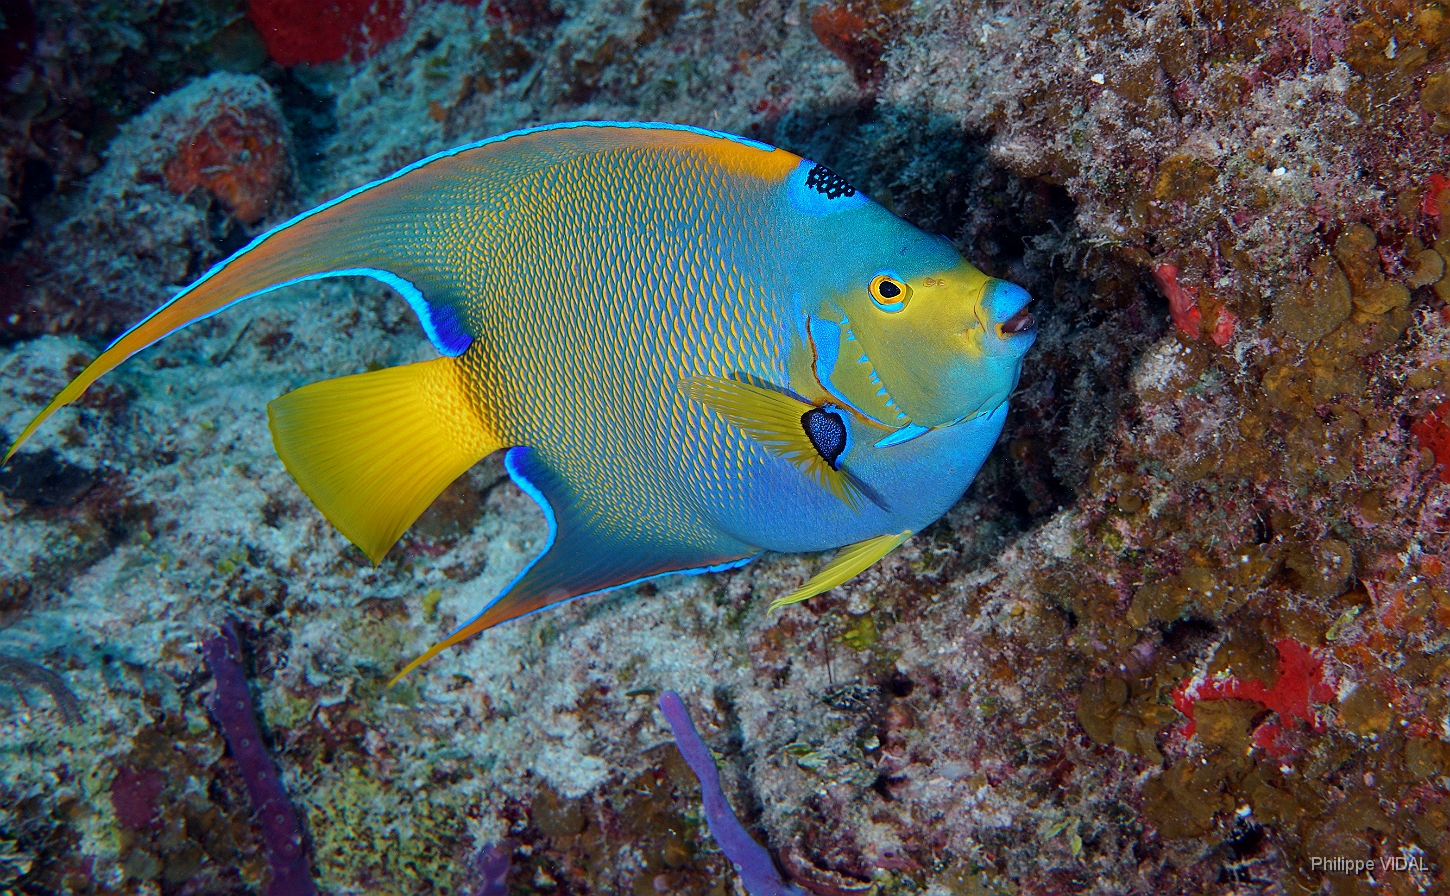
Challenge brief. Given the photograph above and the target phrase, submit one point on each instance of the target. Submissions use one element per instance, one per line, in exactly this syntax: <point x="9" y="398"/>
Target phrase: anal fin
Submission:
<point x="850" y="562"/>
<point x="373" y="450"/>
<point x="582" y="557"/>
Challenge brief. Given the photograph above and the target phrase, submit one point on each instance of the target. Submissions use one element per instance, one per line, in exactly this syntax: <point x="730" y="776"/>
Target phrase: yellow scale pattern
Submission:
<point x="607" y="278"/>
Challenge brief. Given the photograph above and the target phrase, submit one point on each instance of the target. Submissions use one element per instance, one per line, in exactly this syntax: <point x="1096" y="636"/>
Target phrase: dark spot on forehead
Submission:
<point x="828" y="183"/>
<point x="827" y="432"/>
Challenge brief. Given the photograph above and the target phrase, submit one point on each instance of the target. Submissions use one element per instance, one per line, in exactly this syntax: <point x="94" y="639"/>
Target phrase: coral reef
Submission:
<point x="71" y="72"/>
<point x="1187" y="633"/>
<point x="238" y="152"/>
<point x="191" y="173"/>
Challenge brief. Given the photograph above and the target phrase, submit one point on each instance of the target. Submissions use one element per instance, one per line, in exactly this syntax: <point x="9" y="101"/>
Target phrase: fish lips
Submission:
<point x="1006" y="306"/>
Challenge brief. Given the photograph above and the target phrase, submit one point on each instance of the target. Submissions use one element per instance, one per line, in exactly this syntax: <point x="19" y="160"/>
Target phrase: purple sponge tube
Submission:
<point x="751" y="860"/>
<point x="231" y="706"/>
<point x="490" y="868"/>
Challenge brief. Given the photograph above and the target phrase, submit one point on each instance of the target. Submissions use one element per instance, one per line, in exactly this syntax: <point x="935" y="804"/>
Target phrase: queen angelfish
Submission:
<point x="692" y="347"/>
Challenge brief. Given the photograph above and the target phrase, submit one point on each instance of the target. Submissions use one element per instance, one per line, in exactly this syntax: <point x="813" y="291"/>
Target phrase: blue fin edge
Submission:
<point x="904" y="434"/>
<point x="439" y="323"/>
<point x="513" y="460"/>
<point x="415" y="298"/>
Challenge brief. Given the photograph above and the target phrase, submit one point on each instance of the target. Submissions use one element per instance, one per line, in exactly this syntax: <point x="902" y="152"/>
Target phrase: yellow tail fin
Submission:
<point x="373" y="450"/>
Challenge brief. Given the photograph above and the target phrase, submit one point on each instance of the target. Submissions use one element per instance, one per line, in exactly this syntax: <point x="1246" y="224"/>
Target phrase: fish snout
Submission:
<point x="1006" y="306"/>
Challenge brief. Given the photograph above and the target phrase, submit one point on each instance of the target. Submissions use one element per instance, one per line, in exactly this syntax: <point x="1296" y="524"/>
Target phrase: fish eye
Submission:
<point x="888" y="293"/>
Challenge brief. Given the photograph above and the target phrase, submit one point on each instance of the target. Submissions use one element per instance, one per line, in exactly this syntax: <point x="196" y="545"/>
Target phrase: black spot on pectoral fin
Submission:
<point x="827" y="431"/>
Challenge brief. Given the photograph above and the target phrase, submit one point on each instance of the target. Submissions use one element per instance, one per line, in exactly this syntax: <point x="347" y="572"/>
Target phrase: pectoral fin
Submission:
<point x="373" y="450"/>
<point x="779" y="423"/>
<point x="581" y="558"/>
<point x="850" y="562"/>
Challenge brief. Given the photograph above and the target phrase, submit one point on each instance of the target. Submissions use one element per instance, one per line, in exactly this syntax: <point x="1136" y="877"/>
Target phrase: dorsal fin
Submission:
<point x="418" y="230"/>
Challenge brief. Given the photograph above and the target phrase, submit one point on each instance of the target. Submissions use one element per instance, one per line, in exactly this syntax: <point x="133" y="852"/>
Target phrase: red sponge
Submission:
<point x="326" y="30"/>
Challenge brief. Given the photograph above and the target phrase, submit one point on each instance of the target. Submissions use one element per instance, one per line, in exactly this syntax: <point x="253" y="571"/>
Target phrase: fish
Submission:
<point x="692" y="348"/>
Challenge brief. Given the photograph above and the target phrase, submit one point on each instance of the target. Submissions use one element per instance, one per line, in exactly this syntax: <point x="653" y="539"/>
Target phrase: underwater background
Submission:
<point x="1189" y="631"/>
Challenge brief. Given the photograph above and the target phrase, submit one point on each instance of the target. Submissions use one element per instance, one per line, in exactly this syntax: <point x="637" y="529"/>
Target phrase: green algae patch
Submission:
<point x="282" y="708"/>
<point x="1203" y="591"/>
<point x="1184" y="178"/>
<point x="861" y="634"/>
<point x="1098" y="704"/>
<point x="1226" y="723"/>
<point x="1322" y="569"/>
<point x="1426" y="758"/>
<point x="1248" y="656"/>
<point x="1435" y="99"/>
<point x="366" y="828"/>
<point x="1127" y="715"/>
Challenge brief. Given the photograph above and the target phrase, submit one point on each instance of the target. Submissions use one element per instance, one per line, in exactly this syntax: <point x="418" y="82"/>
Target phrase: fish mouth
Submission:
<point x="1018" y="324"/>
<point x="1006" y="303"/>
